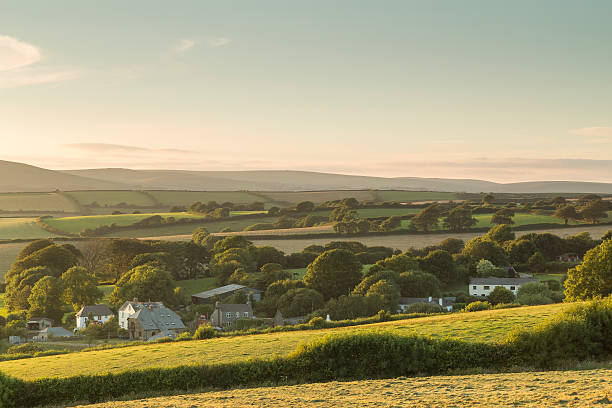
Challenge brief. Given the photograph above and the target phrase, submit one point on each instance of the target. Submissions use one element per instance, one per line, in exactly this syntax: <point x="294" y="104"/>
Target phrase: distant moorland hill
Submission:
<point x="18" y="177"/>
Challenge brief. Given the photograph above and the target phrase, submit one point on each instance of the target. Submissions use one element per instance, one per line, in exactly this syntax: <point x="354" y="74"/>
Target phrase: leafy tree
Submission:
<point x="273" y="272"/>
<point x="418" y="284"/>
<point x="500" y="234"/>
<point x="279" y="288"/>
<point x="452" y="245"/>
<point x="480" y="248"/>
<point x="580" y="243"/>
<point x="390" y="223"/>
<point x="441" y="264"/>
<point x="428" y="217"/>
<point x="80" y="287"/>
<point x="199" y="235"/>
<point x="305" y="206"/>
<point x="519" y="251"/>
<point x="334" y="273"/>
<point x="122" y="252"/>
<point x="534" y="293"/>
<point x="147" y="283"/>
<point x="488" y="199"/>
<point x="485" y="268"/>
<point x="352" y="307"/>
<point x="548" y="244"/>
<point x="585" y="199"/>
<point x="500" y="295"/>
<point x="607" y="235"/>
<point x="300" y="302"/>
<point x="388" y="291"/>
<point x="366" y="283"/>
<point x="567" y="213"/>
<point x="274" y="210"/>
<point x="503" y="216"/>
<point x="19" y="287"/>
<point x="350" y="202"/>
<point x="460" y="218"/>
<point x="397" y="263"/>
<point x="594" y="210"/>
<point x="267" y="254"/>
<point x="593" y="277"/>
<point x="46" y="299"/>
<point x="343" y="214"/>
<point x="232" y="242"/>
<point x="558" y="200"/>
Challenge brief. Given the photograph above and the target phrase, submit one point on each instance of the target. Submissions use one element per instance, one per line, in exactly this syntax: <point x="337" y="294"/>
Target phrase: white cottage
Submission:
<point x="99" y="313"/>
<point x="130" y="308"/>
<point x="484" y="286"/>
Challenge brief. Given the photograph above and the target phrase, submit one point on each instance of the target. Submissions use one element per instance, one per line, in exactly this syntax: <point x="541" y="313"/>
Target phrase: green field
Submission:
<point x="484" y="220"/>
<point x="194" y="286"/>
<point x="186" y="198"/>
<point x="35" y="202"/>
<point x="75" y="225"/>
<point x="487" y="326"/>
<point x="112" y="198"/>
<point x="406" y="196"/>
<point x="386" y="212"/>
<point x="21" y="228"/>
<point x="317" y="197"/>
<point x="575" y="388"/>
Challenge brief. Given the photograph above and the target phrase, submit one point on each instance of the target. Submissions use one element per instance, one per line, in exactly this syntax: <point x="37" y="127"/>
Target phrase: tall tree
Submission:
<point x="80" y="287"/>
<point x="460" y="218"/>
<point x="594" y="210"/>
<point x="428" y="217"/>
<point x="46" y="299"/>
<point x="566" y="213"/>
<point x="503" y="216"/>
<point x="593" y="277"/>
<point x="334" y="273"/>
<point x="146" y="283"/>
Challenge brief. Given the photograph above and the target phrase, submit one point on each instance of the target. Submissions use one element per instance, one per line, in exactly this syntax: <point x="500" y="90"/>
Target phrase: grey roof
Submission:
<point x="95" y="310"/>
<point x="501" y="281"/>
<point x="137" y="305"/>
<point x="158" y="318"/>
<point x="57" y="332"/>
<point x="233" y="307"/>
<point x="223" y="290"/>
<point x="446" y="301"/>
<point x="39" y="319"/>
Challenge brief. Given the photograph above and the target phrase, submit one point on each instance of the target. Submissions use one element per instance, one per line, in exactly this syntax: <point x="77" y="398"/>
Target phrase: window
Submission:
<point x="237" y="314"/>
<point x="512" y="287"/>
<point x="474" y="287"/>
<point x="246" y="314"/>
<point x="487" y="287"/>
<point x="228" y="315"/>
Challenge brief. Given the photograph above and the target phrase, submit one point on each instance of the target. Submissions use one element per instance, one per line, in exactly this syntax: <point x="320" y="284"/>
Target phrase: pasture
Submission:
<point x="486" y="326"/>
<point x="112" y="198"/>
<point x="408" y="196"/>
<point x="386" y="212"/>
<point x="317" y="197"/>
<point x="21" y="228"/>
<point x="40" y="202"/>
<point x="186" y="198"/>
<point x="575" y="388"/>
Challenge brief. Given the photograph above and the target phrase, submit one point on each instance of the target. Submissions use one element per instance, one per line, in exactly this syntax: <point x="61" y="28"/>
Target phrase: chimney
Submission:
<point x="217" y="304"/>
<point x="440" y="301"/>
<point x="430" y="298"/>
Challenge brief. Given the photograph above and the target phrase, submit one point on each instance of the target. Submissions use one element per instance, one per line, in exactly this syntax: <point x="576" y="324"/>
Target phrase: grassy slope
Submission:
<point x="584" y="388"/>
<point x="488" y="326"/>
<point x="17" y="228"/>
<point x="110" y="198"/>
<point x="35" y="201"/>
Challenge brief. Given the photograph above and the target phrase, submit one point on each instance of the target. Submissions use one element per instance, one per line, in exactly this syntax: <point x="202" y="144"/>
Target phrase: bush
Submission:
<point x="553" y="285"/>
<point x="534" y="293"/>
<point x="204" y="332"/>
<point x="500" y="295"/>
<point x="478" y="306"/>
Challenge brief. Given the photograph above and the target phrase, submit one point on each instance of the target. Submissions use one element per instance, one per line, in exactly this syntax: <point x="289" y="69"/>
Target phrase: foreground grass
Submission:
<point x="580" y="388"/>
<point x="487" y="326"/>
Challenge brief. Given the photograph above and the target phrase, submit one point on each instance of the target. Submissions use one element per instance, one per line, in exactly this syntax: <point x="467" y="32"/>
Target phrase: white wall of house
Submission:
<point x="485" y="290"/>
<point x="81" y="322"/>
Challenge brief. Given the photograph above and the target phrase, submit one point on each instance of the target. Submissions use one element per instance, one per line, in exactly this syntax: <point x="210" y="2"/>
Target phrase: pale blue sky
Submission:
<point x="488" y="89"/>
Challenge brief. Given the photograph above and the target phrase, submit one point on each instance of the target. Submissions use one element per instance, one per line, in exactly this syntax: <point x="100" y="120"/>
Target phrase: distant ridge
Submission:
<point x="18" y="177"/>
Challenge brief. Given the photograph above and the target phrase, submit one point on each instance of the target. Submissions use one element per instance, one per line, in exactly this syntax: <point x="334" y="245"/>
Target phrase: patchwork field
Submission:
<point x="35" y="202"/>
<point x="579" y="388"/>
<point x="112" y="198"/>
<point x="488" y="326"/>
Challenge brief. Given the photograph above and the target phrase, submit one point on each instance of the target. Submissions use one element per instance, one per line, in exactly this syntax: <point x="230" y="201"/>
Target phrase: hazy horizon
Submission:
<point x="505" y="92"/>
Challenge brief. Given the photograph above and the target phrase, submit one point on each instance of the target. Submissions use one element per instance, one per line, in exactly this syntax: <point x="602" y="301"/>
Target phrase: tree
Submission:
<point x="46" y="299"/>
<point x="389" y="292"/>
<point x="500" y="295"/>
<point x="300" y="302"/>
<point x="607" y="235"/>
<point x="334" y="273"/>
<point x="231" y="242"/>
<point x="488" y="199"/>
<point x="342" y="214"/>
<point x="460" y="218"/>
<point x="480" y="248"/>
<point x="519" y="251"/>
<point x="593" y="277"/>
<point x="390" y="223"/>
<point x="94" y="256"/>
<point x="304" y="206"/>
<point x="567" y="213"/>
<point x="503" y="216"/>
<point x="80" y="287"/>
<point x="558" y="200"/>
<point x="267" y="254"/>
<point x="441" y="264"/>
<point x="534" y="293"/>
<point x="485" y="268"/>
<point x="199" y="235"/>
<point x="418" y="284"/>
<point x="500" y="234"/>
<point x="428" y="217"/>
<point x="397" y="263"/>
<point x="594" y="210"/>
<point x="144" y="282"/>
<point x="452" y="245"/>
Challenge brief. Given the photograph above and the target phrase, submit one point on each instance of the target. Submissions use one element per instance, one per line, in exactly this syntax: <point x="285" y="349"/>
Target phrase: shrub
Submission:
<point x="478" y="306"/>
<point x="500" y="295"/>
<point x="204" y="332"/>
<point x="317" y="322"/>
<point x="553" y="285"/>
<point x="534" y="293"/>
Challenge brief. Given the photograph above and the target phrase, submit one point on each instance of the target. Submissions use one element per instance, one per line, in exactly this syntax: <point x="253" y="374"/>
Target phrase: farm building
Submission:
<point x="50" y="333"/>
<point x="446" y="303"/>
<point x="39" y="323"/>
<point x="223" y="292"/>
<point x="569" y="257"/>
<point x="225" y="315"/>
<point x="484" y="286"/>
<point x="99" y="314"/>
<point x="154" y="322"/>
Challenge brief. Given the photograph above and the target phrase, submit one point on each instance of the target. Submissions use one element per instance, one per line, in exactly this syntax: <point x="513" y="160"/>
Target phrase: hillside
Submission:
<point x="554" y="388"/>
<point x="17" y="177"/>
<point x="487" y="326"/>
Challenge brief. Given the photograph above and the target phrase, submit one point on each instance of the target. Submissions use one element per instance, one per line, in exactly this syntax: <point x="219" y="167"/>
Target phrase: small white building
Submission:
<point x="484" y="286"/>
<point x="99" y="313"/>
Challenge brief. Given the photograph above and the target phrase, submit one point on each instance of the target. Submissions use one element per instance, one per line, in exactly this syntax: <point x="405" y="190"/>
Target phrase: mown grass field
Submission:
<point x="35" y="202"/>
<point x="189" y="197"/>
<point x="487" y="326"/>
<point x="406" y="196"/>
<point x="19" y="228"/>
<point x="112" y="198"/>
<point x="577" y="388"/>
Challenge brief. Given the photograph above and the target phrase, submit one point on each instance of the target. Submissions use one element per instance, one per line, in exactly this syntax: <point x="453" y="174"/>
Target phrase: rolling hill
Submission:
<point x="17" y="177"/>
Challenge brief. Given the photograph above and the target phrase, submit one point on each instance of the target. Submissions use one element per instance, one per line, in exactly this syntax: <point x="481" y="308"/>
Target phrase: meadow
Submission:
<point x="317" y="197"/>
<point x="36" y="202"/>
<point x="21" y="228"/>
<point x="407" y="196"/>
<point x="171" y="198"/>
<point x="486" y="326"/>
<point x="112" y="198"/>
<point x="576" y="388"/>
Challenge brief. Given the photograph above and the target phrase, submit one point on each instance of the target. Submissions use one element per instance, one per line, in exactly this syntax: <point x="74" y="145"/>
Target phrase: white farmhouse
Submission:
<point x="130" y="308"/>
<point x="99" y="313"/>
<point x="484" y="286"/>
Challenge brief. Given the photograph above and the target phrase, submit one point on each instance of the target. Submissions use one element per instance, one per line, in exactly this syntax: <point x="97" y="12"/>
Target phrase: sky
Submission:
<point x="495" y="90"/>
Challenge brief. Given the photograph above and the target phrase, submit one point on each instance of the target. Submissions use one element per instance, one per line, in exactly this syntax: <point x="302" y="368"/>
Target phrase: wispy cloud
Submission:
<point x="596" y="134"/>
<point x="16" y="60"/>
<point x="184" y="45"/>
<point x="219" y="42"/>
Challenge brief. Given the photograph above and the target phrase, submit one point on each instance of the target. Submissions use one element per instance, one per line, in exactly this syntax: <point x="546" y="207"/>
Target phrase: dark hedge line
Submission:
<point x="582" y="332"/>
